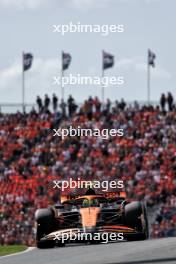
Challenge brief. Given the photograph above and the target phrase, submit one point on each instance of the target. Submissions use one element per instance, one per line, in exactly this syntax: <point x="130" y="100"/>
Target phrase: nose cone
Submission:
<point x="89" y="217"/>
<point x="89" y="229"/>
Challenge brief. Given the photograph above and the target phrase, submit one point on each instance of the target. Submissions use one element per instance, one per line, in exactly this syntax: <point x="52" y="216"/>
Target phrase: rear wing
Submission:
<point x="108" y="195"/>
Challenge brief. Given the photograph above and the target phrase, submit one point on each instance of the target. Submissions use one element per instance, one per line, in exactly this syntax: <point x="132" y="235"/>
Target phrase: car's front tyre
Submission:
<point x="45" y="224"/>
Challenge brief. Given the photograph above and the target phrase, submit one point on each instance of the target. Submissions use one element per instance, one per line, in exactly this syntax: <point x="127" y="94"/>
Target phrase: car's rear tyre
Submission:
<point x="136" y="217"/>
<point x="45" y="222"/>
<point x="45" y="244"/>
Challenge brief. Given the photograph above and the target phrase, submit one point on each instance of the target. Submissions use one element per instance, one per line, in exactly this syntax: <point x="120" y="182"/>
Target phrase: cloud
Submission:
<point x="103" y="3"/>
<point x="21" y="4"/>
<point x="9" y="74"/>
<point x="41" y="67"/>
<point x="77" y="4"/>
<point x="151" y="1"/>
<point x="157" y="72"/>
<point x="89" y="3"/>
<point x="39" y="79"/>
<point x="137" y="64"/>
<point x="33" y="4"/>
<point x="125" y="63"/>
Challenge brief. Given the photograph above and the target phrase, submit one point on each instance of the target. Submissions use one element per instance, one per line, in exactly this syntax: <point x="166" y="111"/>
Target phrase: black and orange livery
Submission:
<point x="91" y="213"/>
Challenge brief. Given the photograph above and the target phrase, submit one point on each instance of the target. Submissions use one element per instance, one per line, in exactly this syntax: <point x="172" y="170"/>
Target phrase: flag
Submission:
<point x="108" y="60"/>
<point x="151" y="58"/>
<point x="66" y="60"/>
<point x="27" y="61"/>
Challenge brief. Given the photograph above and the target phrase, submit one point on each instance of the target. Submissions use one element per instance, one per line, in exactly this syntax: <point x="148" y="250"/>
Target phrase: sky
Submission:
<point x="27" y="25"/>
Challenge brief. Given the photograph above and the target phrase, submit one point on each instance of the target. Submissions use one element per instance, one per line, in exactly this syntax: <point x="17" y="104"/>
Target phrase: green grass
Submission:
<point x="6" y="250"/>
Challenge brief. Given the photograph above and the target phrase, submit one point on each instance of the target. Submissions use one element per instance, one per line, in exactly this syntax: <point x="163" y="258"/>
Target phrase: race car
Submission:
<point x="90" y="214"/>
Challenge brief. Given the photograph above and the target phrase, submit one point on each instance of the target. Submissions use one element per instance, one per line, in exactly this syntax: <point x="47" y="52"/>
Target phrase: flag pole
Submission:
<point x="23" y="84"/>
<point x="148" y="79"/>
<point x="62" y="75"/>
<point x="62" y="85"/>
<point x="102" y="86"/>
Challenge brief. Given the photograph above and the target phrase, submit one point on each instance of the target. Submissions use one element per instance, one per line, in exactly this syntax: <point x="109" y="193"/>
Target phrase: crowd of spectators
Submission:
<point x="30" y="158"/>
<point x="165" y="220"/>
<point x="167" y="100"/>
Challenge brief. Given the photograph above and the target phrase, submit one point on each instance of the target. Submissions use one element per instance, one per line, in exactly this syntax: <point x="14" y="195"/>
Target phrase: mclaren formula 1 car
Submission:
<point x="91" y="214"/>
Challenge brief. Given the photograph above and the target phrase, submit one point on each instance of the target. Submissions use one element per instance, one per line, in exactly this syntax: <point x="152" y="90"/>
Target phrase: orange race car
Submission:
<point x="91" y="218"/>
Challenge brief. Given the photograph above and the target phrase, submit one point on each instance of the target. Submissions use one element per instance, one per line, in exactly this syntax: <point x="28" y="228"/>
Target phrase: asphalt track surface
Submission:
<point x="150" y="251"/>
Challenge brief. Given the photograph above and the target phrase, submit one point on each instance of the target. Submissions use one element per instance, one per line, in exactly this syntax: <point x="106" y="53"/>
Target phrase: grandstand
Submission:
<point x="30" y="158"/>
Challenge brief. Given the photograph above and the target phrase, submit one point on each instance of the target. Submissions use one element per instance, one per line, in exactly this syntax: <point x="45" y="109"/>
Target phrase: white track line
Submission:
<point x="18" y="253"/>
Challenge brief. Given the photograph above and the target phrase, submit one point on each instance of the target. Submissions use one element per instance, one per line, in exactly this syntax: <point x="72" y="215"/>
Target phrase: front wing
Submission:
<point x="78" y="235"/>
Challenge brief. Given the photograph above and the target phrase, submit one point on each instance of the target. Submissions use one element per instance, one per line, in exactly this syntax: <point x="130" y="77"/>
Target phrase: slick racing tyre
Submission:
<point x="136" y="217"/>
<point x="45" y="244"/>
<point x="45" y="222"/>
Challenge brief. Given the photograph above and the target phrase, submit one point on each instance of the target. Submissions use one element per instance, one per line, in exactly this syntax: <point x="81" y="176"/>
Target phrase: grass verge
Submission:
<point x="6" y="250"/>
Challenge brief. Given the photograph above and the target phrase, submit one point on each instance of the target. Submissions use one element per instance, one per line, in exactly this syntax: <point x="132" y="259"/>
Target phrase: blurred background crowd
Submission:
<point x="30" y="158"/>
